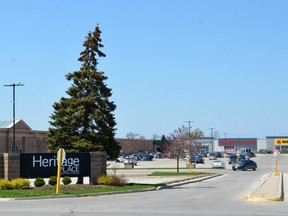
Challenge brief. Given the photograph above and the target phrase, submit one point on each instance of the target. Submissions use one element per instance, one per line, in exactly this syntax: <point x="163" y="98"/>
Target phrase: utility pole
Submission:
<point x="212" y="136"/>
<point x="189" y="122"/>
<point x="225" y="137"/>
<point x="14" y="85"/>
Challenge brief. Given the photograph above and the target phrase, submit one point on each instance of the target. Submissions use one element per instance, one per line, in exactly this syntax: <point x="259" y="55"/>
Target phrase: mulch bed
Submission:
<point x="70" y="187"/>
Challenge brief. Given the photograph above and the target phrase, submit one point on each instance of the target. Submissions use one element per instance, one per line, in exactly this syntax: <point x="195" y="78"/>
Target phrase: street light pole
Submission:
<point x="212" y="136"/>
<point x="189" y="126"/>
<point x="14" y="85"/>
<point x="225" y="137"/>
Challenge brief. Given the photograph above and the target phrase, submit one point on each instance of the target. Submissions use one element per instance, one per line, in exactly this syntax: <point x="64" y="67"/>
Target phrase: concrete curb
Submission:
<point x="188" y="180"/>
<point x="6" y="199"/>
<point x="270" y="189"/>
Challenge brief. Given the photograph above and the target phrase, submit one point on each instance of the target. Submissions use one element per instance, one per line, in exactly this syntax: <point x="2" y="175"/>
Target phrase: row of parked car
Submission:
<point x="239" y="161"/>
<point x="134" y="158"/>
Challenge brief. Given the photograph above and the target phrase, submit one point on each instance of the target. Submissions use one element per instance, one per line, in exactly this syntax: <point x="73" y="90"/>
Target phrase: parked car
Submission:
<point x="212" y="156"/>
<point x="198" y="159"/>
<point x="244" y="165"/>
<point x="251" y="154"/>
<point x="219" y="154"/>
<point x="218" y="164"/>
<point x="206" y="154"/>
<point x="136" y="156"/>
<point x="157" y="155"/>
<point x="130" y="160"/>
<point x="120" y="159"/>
<point x="233" y="158"/>
<point x="147" y="157"/>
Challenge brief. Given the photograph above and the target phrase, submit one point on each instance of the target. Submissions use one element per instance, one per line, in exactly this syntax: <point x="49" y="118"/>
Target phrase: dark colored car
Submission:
<point x="147" y="157"/>
<point x="198" y="159"/>
<point x="251" y="154"/>
<point x="244" y="165"/>
<point x="233" y="158"/>
<point x="219" y="154"/>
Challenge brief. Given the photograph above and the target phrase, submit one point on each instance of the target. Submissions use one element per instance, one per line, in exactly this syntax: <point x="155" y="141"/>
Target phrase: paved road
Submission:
<point x="219" y="196"/>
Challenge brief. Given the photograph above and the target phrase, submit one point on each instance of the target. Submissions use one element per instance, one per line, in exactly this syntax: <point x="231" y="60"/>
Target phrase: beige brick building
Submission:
<point x="26" y="139"/>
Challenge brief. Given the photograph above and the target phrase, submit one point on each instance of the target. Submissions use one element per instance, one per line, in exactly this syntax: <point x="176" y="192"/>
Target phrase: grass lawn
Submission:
<point x="69" y="190"/>
<point x="50" y="191"/>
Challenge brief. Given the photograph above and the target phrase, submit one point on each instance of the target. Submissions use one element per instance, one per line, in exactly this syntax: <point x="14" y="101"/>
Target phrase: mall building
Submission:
<point x="277" y="142"/>
<point x="234" y="145"/>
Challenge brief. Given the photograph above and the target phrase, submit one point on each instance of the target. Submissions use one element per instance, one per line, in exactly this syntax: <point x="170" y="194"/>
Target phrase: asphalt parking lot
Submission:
<point x="140" y="172"/>
<point x="167" y="163"/>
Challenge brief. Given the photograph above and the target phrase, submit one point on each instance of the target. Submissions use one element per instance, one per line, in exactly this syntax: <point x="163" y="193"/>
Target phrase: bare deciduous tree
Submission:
<point x="181" y="143"/>
<point x="177" y="142"/>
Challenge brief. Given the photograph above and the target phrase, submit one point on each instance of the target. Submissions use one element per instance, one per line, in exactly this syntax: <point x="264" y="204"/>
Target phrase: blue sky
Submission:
<point x="221" y="64"/>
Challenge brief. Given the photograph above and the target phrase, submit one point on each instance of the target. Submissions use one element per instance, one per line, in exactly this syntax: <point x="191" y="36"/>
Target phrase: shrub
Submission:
<point x="5" y="184"/>
<point x="39" y="182"/>
<point x="111" y="180"/>
<point x="52" y="180"/>
<point x="66" y="180"/>
<point x="20" y="183"/>
<point x="105" y="180"/>
<point x="119" y="181"/>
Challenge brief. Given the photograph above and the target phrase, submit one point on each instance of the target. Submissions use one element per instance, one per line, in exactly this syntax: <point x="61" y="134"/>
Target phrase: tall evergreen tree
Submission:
<point x="84" y="121"/>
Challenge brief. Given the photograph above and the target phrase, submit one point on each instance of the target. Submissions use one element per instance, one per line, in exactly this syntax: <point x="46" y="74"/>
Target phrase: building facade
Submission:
<point x="232" y="145"/>
<point x="277" y="142"/>
<point x="130" y="146"/>
<point x="26" y="139"/>
<point x="205" y="145"/>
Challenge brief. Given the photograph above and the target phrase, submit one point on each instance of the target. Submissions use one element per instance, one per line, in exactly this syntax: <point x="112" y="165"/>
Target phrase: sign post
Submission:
<point x="276" y="153"/>
<point x="60" y="158"/>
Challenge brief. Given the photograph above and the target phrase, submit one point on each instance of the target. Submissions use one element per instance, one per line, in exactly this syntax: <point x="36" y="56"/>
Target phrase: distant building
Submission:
<point x="277" y="142"/>
<point x="204" y="145"/>
<point x="129" y="146"/>
<point x="26" y="139"/>
<point x="232" y="145"/>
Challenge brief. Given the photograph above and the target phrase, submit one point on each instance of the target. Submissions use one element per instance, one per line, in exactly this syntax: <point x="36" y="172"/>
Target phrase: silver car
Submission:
<point x="218" y="164"/>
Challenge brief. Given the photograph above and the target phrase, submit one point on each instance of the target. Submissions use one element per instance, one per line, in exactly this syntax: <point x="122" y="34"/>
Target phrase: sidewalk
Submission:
<point x="270" y="189"/>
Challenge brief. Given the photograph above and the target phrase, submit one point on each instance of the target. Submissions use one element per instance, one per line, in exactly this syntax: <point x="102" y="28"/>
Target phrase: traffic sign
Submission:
<point x="276" y="152"/>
